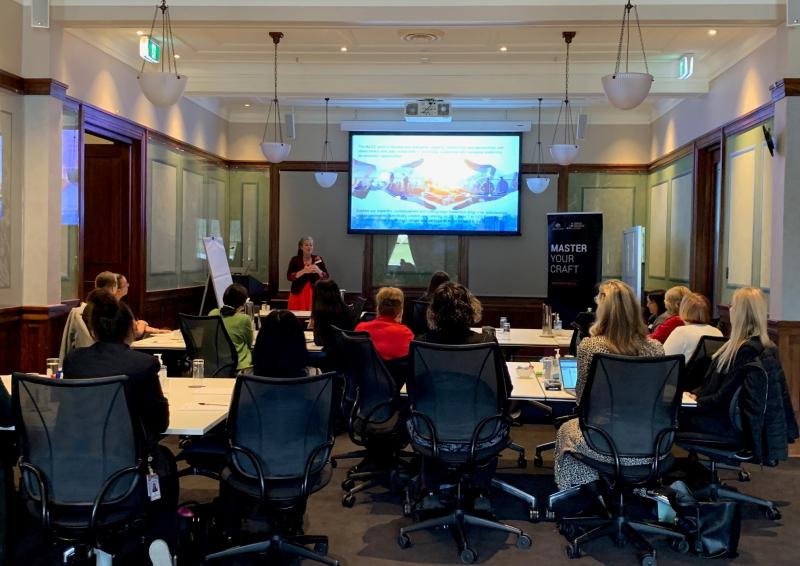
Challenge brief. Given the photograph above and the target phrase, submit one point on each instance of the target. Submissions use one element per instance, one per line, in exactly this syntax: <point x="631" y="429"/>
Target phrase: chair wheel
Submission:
<point x="648" y="560"/>
<point x="550" y="515"/>
<point x="522" y="462"/>
<point x="403" y="541"/>
<point x="573" y="551"/>
<point x="348" y="484"/>
<point x="744" y="475"/>
<point x="334" y="463"/>
<point x="533" y="515"/>
<point x="348" y="500"/>
<point x="321" y="548"/>
<point x="524" y="541"/>
<point x="772" y="514"/>
<point x="538" y="461"/>
<point x="468" y="556"/>
<point x="680" y="545"/>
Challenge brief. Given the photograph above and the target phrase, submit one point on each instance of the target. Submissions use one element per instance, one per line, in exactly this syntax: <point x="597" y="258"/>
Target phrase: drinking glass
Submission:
<point x="53" y="367"/>
<point x="198" y="372"/>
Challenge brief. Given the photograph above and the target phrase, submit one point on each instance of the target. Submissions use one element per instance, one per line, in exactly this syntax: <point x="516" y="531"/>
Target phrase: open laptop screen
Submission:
<point x="569" y="372"/>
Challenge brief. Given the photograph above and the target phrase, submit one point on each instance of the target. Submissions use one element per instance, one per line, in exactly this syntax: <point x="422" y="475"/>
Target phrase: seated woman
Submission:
<point x="280" y="349"/>
<point x="437" y="279"/>
<point x="618" y="329"/>
<point x="695" y="311"/>
<point x="238" y="324"/>
<point x="390" y="337"/>
<point x="656" y="308"/>
<point x="672" y="300"/>
<point x="453" y="311"/>
<point x="726" y="375"/>
<point x="328" y="310"/>
<point x="113" y="327"/>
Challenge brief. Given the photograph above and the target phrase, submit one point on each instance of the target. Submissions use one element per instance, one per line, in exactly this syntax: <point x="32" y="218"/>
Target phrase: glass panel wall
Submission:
<point x="247" y="237"/>
<point x="5" y="199"/>
<point x="409" y="261"/>
<point x="186" y="201"/>
<point x="70" y="203"/>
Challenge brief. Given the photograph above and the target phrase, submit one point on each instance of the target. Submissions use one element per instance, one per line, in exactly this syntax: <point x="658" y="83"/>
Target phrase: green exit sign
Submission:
<point x="149" y="49"/>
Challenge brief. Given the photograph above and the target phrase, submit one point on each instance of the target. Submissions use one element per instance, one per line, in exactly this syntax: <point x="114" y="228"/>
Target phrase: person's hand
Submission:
<point x="315" y="269"/>
<point x="691" y="396"/>
<point x="152" y="330"/>
<point x="141" y="326"/>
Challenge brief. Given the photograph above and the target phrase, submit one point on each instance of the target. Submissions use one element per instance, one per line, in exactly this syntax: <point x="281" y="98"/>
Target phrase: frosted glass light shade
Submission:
<point x="564" y="153"/>
<point x="275" y="152"/>
<point x="325" y="179"/>
<point x="162" y="89"/>
<point x="537" y="185"/>
<point x="627" y="90"/>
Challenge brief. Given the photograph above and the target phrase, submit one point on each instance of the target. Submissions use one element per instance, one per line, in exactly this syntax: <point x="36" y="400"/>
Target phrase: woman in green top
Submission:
<point x="237" y="323"/>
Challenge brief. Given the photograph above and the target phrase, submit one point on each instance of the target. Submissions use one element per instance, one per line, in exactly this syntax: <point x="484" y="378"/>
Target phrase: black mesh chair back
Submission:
<point x="75" y="435"/>
<point x="419" y="317"/>
<point x="206" y="337"/>
<point x="281" y="423"/>
<point x="456" y="387"/>
<point x="377" y="389"/>
<point x="357" y="307"/>
<point x="629" y="405"/>
<point x="698" y="365"/>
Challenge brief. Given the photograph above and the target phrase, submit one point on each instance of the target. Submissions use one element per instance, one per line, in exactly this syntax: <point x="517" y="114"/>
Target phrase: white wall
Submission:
<point x="739" y="90"/>
<point x="11" y="37"/>
<point x="11" y="219"/>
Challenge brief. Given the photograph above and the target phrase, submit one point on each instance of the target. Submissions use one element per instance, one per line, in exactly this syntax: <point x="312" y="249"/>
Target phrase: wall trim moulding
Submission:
<point x="783" y="88"/>
<point x="35" y="87"/>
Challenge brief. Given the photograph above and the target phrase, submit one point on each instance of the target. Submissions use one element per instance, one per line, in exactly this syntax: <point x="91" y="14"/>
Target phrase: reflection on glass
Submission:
<point x="5" y="219"/>
<point x="409" y="261"/>
<point x="70" y="203"/>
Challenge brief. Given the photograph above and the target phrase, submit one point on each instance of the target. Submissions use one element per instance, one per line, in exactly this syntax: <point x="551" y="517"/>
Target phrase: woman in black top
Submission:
<point x="436" y="279"/>
<point x="453" y="311"/>
<point x="280" y="349"/>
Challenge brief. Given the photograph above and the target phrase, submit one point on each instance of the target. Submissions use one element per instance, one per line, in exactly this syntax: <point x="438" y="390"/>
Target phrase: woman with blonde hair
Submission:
<point x="618" y="329"/>
<point x="695" y="312"/>
<point x="672" y="300"/>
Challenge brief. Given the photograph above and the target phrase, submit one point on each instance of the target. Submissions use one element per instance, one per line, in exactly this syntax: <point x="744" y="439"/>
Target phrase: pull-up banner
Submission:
<point x="574" y="261"/>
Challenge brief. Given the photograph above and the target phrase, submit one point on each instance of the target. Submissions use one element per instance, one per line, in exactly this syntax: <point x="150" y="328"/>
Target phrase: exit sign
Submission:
<point x="149" y="49"/>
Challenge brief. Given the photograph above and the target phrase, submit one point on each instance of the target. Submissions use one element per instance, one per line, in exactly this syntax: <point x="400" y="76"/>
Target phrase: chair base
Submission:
<point x="456" y="523"/>
<point x="394" y="472"/>
<point x="291" y="546"/>
<point x="538" y="461"/>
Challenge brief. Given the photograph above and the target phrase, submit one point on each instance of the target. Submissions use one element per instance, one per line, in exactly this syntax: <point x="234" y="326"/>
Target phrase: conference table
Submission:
<point x="173" y="342"/>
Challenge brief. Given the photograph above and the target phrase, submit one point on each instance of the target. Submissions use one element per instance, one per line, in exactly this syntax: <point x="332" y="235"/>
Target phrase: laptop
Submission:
<point x="569" y="373"/>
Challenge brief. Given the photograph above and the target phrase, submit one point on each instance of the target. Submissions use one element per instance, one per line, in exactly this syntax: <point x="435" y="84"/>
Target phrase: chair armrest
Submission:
<point x="612" y="446"/>
<point x="138" y="467"/>
<point x="431" y="427"/>
<point x="254" y="459"/>
<point x="559" y="421"/>
<point x="26" y="466"/>
<point x="310" y="462"/>
<point x="473" y="444"/>
<point x="657" y="458"/>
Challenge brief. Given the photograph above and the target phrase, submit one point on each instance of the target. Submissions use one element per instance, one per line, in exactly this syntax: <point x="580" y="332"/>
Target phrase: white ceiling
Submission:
<point x="227" y="54"/>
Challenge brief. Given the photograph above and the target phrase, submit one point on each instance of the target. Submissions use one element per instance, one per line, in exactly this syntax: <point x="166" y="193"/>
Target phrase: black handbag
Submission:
<point x="711" y="527"/>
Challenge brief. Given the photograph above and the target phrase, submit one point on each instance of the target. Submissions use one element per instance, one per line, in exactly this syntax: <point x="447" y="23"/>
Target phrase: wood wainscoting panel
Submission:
<point x="786" y="335"/>
<point x="40" y="330"/>
<point x="9" y="338"/>
<point x="161" y="308"/>
<point x="521" y="312"/>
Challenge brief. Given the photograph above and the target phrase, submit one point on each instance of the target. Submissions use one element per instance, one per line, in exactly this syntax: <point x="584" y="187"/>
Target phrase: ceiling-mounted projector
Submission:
<point x="428" y="110"/>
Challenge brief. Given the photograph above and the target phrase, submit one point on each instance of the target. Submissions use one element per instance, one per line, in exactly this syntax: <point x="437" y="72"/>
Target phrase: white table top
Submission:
<point x="174" y="341"/>
<point x="532" y="338"/>
<point x="301" y="314"/>
<point x="193" y="411"/>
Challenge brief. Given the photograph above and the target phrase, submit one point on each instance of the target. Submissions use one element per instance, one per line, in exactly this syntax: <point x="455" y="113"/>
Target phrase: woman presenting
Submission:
<point x="305" y="269"/>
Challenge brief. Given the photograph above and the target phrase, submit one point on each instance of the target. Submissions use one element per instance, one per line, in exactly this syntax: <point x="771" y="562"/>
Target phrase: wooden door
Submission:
<point x="106" y="211"/>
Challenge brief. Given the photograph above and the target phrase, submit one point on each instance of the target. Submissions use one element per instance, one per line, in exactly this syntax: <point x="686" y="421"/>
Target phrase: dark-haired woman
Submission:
<point x="305" y="269"/>
<point x="112" y="325"/>
<point x="657" y="310"/>
<point x="327" y="311"/>
<point x="437" y="279"/>
<point x="280" y="349"/>
<point x="238" y="324"/>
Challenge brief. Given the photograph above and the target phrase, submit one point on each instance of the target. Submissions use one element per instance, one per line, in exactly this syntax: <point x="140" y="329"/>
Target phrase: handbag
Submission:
<point x="712" y="528"/>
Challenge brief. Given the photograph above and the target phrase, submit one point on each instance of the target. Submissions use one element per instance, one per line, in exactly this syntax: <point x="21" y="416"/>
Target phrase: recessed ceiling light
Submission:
<point x="503" y="48"/>
<point x="177" y="56"/>
<point x="139" y="32"/>
<point x="343" y="49"/>
<point x="712" y="32"/>
<point x="247" y="105"/>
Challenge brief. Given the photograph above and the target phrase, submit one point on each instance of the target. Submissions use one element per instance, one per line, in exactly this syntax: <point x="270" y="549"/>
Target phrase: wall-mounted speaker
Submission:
<point x="288" y="123"/>
<point x="768" y="140"/>
<point x="40" y="13"/>
<point x="580" y="128"/>
<point x="793" y="12"/>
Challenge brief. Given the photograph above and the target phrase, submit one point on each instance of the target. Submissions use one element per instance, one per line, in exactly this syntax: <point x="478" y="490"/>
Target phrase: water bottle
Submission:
<point x="547" y="366"/>
<point x="556" y="322"/>
<point x="547" y="321"/>
<point x="505" y="329"/>
<point x="555" y="376"/>
<point x="162" y="372"/>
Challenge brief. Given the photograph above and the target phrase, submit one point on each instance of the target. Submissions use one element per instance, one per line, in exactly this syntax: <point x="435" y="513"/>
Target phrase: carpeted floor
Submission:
<point x="367" y="533"/>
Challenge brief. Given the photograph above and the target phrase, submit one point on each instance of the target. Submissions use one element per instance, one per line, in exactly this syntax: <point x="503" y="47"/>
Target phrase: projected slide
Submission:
<point x="424" y="183"/>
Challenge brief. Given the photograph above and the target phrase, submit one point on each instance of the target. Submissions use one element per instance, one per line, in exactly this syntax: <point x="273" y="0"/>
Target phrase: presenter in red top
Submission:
<point x="305" y="269"/>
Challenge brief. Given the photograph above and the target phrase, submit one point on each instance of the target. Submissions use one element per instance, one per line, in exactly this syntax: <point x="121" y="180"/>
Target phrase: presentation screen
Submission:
<point x="429" y="183"/>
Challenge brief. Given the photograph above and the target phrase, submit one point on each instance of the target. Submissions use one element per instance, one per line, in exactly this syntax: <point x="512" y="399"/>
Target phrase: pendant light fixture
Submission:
<point x="275" y="150"/>
<point x="565" y="153"/>
<point x="538" y="184"/>
<point x="164" y="87"/>
<point x="626" y="90"/>
<point x="325" y="178"/>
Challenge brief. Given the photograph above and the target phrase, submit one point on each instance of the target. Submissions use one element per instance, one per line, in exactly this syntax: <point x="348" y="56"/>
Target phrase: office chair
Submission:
<point x="377" y="421"/>
<point x="207" y="338"/>
<point x="419" y="316"/>
<point x="629" y="409"/>
<point x="700" y="361"/>
<point x="280" y="436"/>
<point x="85" y="488"/>
<point x="367" y="316"/>
<point x="459" y="423"/>
<point x="357" y="307"/>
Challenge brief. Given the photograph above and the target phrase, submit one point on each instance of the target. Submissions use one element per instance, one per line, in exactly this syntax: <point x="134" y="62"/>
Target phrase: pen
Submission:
<point x="215" y="404"/>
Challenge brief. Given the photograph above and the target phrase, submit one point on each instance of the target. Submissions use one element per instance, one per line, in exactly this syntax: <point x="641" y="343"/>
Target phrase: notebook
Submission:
<point x="569" y="373"/>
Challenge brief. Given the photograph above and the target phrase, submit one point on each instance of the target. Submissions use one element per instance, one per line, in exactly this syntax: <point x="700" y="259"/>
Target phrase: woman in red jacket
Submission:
<point x="305" y="269"/>
<point x="672" y="300"/>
